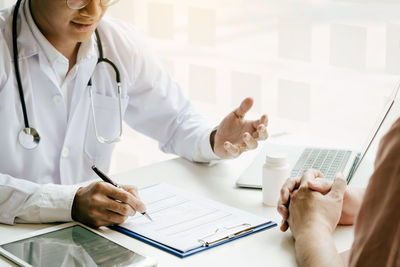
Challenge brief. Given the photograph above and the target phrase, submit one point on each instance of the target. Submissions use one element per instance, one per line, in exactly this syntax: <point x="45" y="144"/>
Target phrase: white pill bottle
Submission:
<point x="275" y="172"/>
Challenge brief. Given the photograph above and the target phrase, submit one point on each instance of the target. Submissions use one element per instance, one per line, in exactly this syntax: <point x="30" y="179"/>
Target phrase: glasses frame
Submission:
<point x="112" y="2"/>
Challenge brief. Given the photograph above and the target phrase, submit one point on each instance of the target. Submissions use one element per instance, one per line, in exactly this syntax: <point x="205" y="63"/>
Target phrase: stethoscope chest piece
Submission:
<point x="29" y="138"/>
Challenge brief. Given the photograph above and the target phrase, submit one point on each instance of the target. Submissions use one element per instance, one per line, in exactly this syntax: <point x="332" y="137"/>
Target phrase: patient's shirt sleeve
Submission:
<point x="377" y="228"/>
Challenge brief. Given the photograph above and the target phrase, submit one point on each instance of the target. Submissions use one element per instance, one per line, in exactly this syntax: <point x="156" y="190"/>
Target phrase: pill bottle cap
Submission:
<point x="276" y="159"/>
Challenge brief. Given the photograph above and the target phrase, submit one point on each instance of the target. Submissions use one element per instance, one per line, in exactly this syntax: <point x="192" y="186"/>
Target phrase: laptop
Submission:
<point x="329" y="160"/>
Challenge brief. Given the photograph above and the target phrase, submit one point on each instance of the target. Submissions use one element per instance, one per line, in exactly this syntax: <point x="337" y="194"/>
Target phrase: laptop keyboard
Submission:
<point x="328" y="161"/>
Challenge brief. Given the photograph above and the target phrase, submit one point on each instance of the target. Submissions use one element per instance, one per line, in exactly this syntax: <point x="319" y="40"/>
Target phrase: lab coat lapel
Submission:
<point x="49" y="72"/>
<point x="80" y="97"/>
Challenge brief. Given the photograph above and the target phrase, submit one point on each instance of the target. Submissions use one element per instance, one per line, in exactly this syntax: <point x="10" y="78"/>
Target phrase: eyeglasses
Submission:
<point x="79" y="4"/>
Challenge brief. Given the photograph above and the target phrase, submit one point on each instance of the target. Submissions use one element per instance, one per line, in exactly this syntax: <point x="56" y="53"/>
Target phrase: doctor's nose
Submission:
<point x="93" y="9"/>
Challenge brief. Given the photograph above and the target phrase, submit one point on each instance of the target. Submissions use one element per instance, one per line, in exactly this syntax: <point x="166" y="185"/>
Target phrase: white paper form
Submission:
<point x="181" y="219"/>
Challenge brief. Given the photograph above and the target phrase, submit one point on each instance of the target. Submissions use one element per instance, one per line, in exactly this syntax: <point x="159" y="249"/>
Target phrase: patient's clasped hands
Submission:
<point x="312" y="202"/>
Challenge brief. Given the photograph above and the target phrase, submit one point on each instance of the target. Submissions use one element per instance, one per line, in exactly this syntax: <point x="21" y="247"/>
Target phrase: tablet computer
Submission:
<point x="70" y="244"/>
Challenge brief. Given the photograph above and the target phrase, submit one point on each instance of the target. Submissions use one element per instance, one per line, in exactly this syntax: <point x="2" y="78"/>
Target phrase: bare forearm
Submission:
<point x="357" y="196"/>
<point x="351" y="205"/>
<point x="316" y="248"/>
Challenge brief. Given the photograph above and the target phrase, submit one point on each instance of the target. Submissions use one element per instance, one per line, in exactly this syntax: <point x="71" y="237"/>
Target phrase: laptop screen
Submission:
<point x="377" y="127"/>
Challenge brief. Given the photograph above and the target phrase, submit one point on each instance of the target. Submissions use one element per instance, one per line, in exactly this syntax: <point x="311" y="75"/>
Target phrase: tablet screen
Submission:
<point x="72" y="246"/>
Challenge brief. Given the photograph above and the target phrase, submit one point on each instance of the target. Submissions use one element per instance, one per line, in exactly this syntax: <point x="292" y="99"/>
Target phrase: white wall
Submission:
<point x="320" y="66"/>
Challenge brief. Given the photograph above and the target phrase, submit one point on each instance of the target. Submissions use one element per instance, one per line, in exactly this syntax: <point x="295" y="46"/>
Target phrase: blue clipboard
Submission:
<point x="201" y="248"/>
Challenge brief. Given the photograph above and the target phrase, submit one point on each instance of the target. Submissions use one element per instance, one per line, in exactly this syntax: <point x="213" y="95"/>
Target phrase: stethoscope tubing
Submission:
<point x="16" y="63"/>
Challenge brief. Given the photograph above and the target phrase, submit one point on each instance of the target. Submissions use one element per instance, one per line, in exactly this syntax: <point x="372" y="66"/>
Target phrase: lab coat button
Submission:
<point x="57" y="99"/>
<point x="65" y="152"/>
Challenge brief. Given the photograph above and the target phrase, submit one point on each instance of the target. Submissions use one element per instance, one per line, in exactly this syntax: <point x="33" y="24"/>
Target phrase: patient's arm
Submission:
<point x="316" y="248"/>
<point x="351" y="205"/>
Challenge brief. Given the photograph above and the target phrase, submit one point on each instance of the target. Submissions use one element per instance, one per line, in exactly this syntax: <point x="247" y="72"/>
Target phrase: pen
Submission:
<point x="107" y="179"/>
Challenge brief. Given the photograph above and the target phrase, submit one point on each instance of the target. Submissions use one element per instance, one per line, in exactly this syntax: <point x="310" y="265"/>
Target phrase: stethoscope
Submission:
<point x="29" y="137"/>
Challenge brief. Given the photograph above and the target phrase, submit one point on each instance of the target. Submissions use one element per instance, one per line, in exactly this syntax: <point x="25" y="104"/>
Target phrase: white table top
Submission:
<point x="270" y="247"/>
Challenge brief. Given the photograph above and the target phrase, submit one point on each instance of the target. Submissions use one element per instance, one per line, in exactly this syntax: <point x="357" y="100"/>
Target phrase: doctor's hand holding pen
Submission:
<point x="236" y="135"/>
<point x="102" y="204"/>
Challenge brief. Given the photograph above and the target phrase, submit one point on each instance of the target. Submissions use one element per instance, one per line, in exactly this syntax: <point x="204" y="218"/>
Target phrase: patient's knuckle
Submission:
<point x="291" y="181"/>
<point x="283" y="189"/>
<point x="281" y="209"/>
<point x="302" y="190"/>
<point x="296" y="195"/>
<point x="336" y="196"/>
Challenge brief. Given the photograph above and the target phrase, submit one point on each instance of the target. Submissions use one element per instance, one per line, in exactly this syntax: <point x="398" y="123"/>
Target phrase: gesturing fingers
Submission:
<point x="250" y="142"/>
<point x="244" y="107"/>
<point x="232" y="150"/>
<point x="260" y="133"/>
<point x="263" y="120"/>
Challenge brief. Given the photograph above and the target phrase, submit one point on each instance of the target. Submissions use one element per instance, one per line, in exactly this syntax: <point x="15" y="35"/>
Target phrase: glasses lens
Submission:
<point x="108" y="2"/>
<point x="77" y="4"/>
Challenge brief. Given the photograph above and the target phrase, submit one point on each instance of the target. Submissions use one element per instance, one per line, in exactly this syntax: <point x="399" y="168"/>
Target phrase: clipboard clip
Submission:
<point x="225" y="233"/>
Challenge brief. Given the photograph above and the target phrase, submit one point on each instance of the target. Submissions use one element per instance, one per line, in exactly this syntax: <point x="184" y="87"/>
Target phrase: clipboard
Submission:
<point x="205" y="243"/>
<point x="184" y="224"/>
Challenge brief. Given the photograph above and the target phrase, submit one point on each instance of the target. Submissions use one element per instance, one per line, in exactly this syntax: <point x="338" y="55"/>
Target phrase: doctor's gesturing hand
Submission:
<point x="102" y="204"/>
<point x="236" y="135"/>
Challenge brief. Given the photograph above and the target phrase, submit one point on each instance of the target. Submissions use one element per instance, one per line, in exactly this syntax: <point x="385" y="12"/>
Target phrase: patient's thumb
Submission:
<point x="338" y="187"/>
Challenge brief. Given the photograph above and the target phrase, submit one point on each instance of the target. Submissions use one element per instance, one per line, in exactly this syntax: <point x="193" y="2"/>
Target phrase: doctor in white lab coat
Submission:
<point x="57" y="57"/>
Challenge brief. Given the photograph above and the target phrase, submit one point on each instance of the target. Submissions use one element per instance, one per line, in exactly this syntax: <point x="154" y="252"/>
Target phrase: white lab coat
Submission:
<point x="39" y="185"/>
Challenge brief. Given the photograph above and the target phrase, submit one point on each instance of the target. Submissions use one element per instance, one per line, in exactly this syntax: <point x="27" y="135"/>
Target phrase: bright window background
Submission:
<point x="320" y="67"/>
